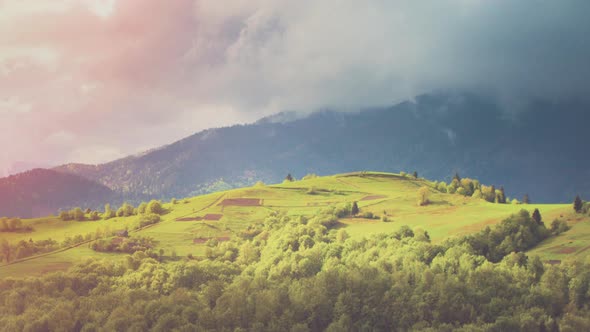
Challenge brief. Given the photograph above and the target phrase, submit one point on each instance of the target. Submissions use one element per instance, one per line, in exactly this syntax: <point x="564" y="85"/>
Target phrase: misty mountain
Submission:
<point x="41" y="192"/>
<point x="539" y="150"/>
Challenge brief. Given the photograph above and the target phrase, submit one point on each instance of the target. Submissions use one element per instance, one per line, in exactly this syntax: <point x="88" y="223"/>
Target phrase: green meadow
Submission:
<point x="185" y="227"/>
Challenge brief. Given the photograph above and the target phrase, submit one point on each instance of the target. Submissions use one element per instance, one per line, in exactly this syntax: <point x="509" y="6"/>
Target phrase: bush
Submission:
<point x="154" y="207"/>
<point x="125" y="210"/>
<point x="64" y="215"/>
<point x="94" y="216"/>
<point x="148" y="219"/>
<point x="559" y="226"/>
<point x="384" y="218"/>
<point x="309" y="176"/>
<point x="369" y="215"/>
<point x="13" y="225"/>
<point x="423" y="196"/>
<point x="311" y="191"/>
<point x="77" y="214"/>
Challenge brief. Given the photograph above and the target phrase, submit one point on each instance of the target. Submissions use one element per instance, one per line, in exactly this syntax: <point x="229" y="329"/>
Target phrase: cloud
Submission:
<point x="113" y="73"/>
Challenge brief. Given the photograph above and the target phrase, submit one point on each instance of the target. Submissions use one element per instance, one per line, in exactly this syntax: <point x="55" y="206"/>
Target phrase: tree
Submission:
<point x="77" y="214"/>
<point x="457" y="177"/>
<point x="141" y="208"/>
<point x="125" y="210"/>
<point x="94" y="216"/>
<point x="154" y="206"/>
<point x="64" y="215"/>
<point x="526" y="199"/>
<point x="354" y="210"/>
<point x="578" y="204"/>
<point x="6" y="250"/>
<point x="501" y="195"/>
<point x="289" y="178"/>
<point x="537" y="216"/>
<point x="423" y="196"/>
<point x="415" y="175"/>
<point x="108" y="212"/>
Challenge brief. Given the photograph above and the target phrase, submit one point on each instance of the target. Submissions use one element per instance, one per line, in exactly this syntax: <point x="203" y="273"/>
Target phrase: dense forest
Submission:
<point x="306" y="274"/>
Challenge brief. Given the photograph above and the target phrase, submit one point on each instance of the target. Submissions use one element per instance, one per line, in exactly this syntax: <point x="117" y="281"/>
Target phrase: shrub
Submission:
<point x="442" y="187"/>
<point x="125" y="210"/>
<point x="477" y="194"/>
<point x="423" y="196"/>
<point x="368" y="215"/>
<point x="154" y="207"/>
<point x="384" y="218"/>
<point x="77" y="214"/>
<point x="559" y="226"/>
<point x="309" y="176"/>
<point x="311" y="191"/>
<point x="148" y="219"/>
<point x="64" y="215"/>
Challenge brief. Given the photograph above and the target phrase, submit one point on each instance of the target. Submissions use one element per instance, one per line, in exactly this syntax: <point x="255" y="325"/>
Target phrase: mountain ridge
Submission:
<point x="436" y="134"/>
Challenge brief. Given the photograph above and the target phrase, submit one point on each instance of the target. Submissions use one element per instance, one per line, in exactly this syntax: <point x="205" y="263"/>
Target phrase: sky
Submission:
<point x="94" y="80"/>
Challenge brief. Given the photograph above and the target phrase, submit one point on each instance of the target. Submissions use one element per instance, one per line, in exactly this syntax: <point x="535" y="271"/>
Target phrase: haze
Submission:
<point x="91" y="81"/>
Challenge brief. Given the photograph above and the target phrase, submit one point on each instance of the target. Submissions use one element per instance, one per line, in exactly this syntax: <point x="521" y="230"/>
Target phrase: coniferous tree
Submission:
<point x="526" y="199"/>
<point x="502" y="198"/>
<point x="457" y="177"/>
<point x="355" y="209"/>
<point x="537" y="216"/>
<point x="415" y="175"/>
<point x="578" y="204"/>
<point x="289" y="177"/>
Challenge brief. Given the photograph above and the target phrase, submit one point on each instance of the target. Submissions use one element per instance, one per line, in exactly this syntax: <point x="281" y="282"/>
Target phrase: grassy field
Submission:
<point x="380" y="193"/>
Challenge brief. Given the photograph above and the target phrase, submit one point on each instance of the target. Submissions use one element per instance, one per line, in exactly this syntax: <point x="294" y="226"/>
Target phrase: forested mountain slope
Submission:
<point x="539" y="150"/>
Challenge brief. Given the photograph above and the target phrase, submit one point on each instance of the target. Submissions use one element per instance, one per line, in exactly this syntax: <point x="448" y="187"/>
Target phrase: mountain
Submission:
<point x="539" y="150"/>
<point x="40" y="192"/>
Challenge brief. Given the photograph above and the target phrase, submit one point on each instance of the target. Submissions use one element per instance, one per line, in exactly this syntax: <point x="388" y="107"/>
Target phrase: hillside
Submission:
<point x="42" y="192"/>
<point x="228" y="214"/>
<point x="274" y="257"/>
<point x="535" y="151"/>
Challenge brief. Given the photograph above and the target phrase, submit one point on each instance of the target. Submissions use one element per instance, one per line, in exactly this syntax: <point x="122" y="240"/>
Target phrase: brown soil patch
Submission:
<point x="567" y="250"/>
<point x="372" y="197"/>
<point x="213" y="216"/>
<point x="553" y="261"/>
<point x="209" y="217"/>
<point x="189" y="219"/>
<point x="241" y="202"/>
